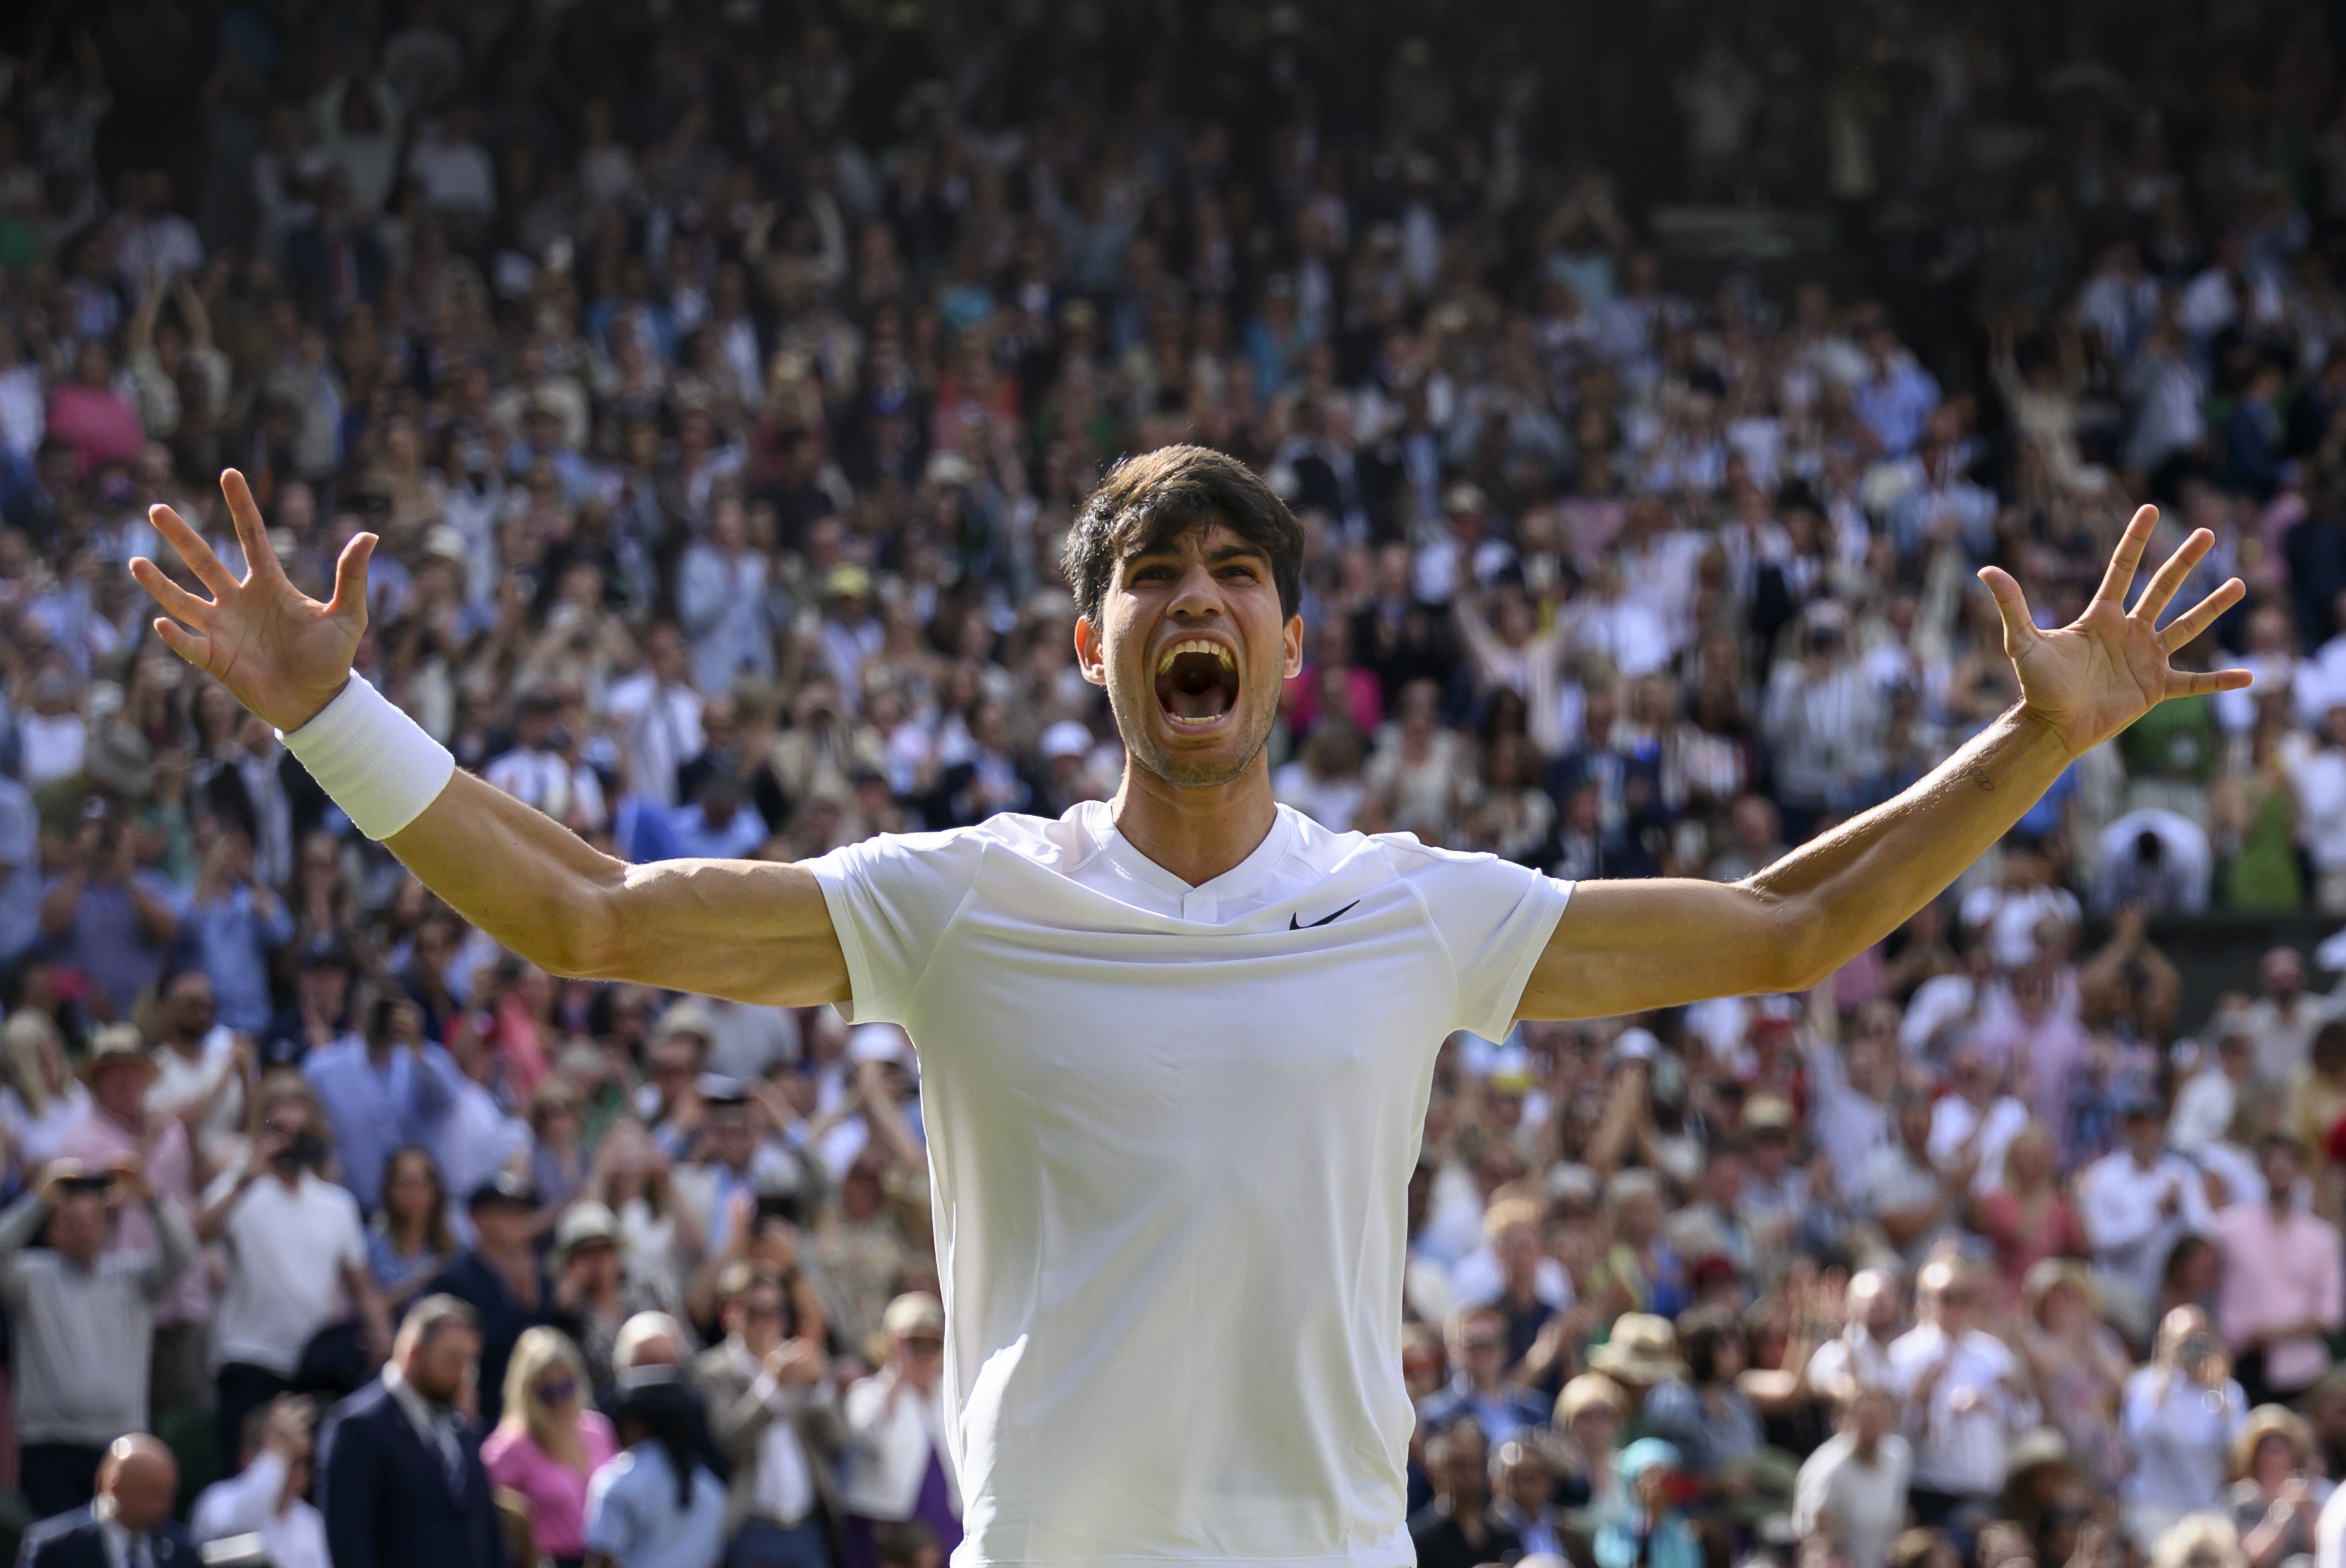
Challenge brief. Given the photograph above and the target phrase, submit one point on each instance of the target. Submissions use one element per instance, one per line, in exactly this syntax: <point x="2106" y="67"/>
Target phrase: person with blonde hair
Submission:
<point x="550" y="1441"/>
<point x="41" y="1100"/>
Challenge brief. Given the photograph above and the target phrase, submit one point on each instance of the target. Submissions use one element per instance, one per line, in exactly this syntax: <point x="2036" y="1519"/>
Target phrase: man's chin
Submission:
<point x="1196" y="762"/>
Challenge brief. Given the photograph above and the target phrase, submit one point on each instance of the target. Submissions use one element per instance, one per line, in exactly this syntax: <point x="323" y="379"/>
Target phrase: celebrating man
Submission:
<point x="1176" y="1046"/>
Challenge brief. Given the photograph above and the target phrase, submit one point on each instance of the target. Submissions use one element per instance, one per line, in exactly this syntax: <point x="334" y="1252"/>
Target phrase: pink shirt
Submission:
<point x="2278" y="1273"/>
<point x="556" y="1494"/>
<point x="99" y="426"/>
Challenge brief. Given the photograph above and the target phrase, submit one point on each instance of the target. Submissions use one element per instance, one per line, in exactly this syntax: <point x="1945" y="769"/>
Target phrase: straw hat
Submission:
<point x="1642" y="1349"/>
<point x="116" y="1043"/>
<point x="2270" y="1421"/>
<point x="1585" y="1392"/>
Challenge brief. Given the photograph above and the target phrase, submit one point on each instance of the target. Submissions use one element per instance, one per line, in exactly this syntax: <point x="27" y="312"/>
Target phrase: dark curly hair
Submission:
<point x="1157" y="496"/>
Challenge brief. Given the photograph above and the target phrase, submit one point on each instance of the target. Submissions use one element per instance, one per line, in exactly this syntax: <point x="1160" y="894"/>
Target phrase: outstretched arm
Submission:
<point x="751" y="931"/>
<point x="1628" y="946"/>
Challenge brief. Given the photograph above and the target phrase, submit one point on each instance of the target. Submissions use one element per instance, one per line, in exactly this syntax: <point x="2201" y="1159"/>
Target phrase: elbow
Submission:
<point x="1798" y="949"/>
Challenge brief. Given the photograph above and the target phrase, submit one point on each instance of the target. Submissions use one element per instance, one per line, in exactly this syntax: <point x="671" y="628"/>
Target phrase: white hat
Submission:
<point x="1066" y="739"/>
<point x="1634" y="1045"/>
<point x="878" y="1042"/>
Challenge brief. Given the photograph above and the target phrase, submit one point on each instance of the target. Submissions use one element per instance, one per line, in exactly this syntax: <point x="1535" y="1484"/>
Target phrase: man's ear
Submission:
<point x="1091" y="651"/>
<point x="1291" y="635"/>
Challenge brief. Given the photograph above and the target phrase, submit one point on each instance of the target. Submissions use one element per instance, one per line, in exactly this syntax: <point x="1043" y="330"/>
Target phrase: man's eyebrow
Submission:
<point x="1241" y="550"/>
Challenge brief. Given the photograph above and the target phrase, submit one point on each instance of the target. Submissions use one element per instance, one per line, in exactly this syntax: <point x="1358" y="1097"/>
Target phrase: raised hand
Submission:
<point x="2091" y="679"/>
<point x="279" y="652"/>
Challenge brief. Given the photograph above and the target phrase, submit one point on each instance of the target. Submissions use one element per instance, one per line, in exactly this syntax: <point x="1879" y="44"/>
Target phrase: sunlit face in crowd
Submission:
<point x="1192" y="647"/>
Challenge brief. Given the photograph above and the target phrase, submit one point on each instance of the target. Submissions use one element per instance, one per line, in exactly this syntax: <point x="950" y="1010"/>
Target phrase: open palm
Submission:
<point x="279" y="652"/>
<point x="2109" y="666"/>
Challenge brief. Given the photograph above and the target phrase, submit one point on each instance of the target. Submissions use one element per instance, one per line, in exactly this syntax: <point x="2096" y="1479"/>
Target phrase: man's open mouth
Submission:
<point x="1196" y="683"/>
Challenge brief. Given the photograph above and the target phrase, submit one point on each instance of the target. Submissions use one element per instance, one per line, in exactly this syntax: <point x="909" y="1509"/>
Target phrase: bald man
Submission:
<point x="129" y="1523"/>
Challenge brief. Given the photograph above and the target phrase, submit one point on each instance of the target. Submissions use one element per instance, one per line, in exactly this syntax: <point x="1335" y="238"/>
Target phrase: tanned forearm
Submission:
<point x="1855" y="885"/>
<point x="753" y="930"/>
<point x="1625" y="947"/>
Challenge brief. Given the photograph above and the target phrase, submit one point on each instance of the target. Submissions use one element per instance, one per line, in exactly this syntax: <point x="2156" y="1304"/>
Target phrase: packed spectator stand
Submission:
<point x="722" y="378"/>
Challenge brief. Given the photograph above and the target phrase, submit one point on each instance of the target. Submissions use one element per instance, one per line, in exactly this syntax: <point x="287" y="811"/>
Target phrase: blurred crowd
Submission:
<point x="722" y="378"/>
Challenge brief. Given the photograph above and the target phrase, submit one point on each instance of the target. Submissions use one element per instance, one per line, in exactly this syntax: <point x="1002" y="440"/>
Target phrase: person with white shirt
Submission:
<point x="1972" y="1125"/>
<point x="295" y="1253"/>
<point x="657" y="713"/>
<point x="898" y="1465"/>
<point x="1859" y="1356"/>
<point x="1964" y="1394"/>
<point x="2177" y="1417"/>
<point x="269" y="1496"/>
<point x="1174" y="1046"/>
<point x="2205" y="1104"/>
<point x="774" y="1411"/>
<point x="2007" y="912"/>
<point x="2137" y="1202"/>
<point x="1852" y="1489"/>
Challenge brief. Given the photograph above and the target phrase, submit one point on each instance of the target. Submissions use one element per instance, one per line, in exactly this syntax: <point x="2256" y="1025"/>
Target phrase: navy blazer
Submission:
<point x="386" y="1497"/>
<point x="72" y="1541"/>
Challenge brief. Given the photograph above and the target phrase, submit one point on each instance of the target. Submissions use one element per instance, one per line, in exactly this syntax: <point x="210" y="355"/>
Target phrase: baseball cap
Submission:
<point x="503" y="1189"/>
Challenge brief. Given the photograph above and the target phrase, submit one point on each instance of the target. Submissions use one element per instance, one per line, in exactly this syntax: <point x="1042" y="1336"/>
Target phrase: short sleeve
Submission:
<point x="606" y="1523"/>
<point x="891" y="897"/>
<point x="1495" y="917"/>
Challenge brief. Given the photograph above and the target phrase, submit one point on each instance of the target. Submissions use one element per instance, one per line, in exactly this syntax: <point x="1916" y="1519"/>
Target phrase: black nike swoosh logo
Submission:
<point x="1293" y="923"/>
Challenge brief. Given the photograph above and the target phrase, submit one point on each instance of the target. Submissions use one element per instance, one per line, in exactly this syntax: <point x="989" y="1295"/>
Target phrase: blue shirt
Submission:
<point x="377" y="1110"/>
<point x="231" y="944"/>
<point x="632" y="1517"/>
<point x="1897" y="405"/>
<point x="108" y="945"/>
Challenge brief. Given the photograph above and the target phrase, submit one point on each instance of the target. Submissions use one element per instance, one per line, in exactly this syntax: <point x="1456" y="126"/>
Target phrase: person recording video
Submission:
<point x="82" y="1320"/>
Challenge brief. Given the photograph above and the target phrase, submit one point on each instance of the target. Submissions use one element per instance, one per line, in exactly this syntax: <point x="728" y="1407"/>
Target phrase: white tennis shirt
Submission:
<point x="1170" y="1133"/>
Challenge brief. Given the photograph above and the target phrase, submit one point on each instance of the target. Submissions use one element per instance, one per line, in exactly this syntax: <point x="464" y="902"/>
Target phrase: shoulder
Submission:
<point x="614" y="1475"/>
<point x="367" y="1406"/>
<point x="1432" y="871"/>
<point x="51" y="1533"/>
<point x="317" y="1196"/>
<point x="1830" y="1455"/>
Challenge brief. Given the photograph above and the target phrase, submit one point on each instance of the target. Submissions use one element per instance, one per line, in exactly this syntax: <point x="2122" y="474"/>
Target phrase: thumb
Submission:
<point x="349" y="601"/>
<point x="2019" y="630"/>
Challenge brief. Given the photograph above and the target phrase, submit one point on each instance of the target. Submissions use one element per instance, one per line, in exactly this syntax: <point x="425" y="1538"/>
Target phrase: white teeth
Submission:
<point x="1195" y="645"/>
<point x="1204" y="719"/>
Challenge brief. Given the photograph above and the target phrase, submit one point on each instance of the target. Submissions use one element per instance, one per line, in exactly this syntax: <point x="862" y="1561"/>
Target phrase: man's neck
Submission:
<point x="1201" y="832"/>
<point x="188" y="1045"/>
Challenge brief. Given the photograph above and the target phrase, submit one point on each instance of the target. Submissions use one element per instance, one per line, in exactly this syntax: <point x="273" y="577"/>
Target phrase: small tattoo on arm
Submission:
<point x="1977" y="774"/>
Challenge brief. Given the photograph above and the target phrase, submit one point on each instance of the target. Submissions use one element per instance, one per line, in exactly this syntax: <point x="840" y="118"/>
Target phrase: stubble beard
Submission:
<point x="1144" y="748"/>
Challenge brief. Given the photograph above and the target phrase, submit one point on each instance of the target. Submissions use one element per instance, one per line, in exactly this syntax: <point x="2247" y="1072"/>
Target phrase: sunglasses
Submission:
<point x="925" y="1346"/>
<point x="555" y="1390"/>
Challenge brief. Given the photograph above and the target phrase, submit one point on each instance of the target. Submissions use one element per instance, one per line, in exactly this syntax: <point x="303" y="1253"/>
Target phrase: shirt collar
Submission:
<point x="1099" y="821"/>
<point x="428" y="1419"/>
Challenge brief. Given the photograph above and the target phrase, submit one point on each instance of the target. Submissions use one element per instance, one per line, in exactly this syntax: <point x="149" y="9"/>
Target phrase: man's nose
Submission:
<point x="1197" y="593"/>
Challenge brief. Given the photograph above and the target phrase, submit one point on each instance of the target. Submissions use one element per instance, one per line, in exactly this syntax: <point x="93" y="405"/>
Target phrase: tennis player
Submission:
<point x="1175" y="1047"/>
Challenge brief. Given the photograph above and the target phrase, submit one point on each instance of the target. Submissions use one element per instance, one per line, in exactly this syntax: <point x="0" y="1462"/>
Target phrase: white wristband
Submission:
<point x="373" y="761"/>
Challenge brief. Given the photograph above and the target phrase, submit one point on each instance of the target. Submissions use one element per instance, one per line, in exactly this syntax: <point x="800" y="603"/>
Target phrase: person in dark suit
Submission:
<point x="129" y="1525"/>
<point x="401" y="1477"/>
